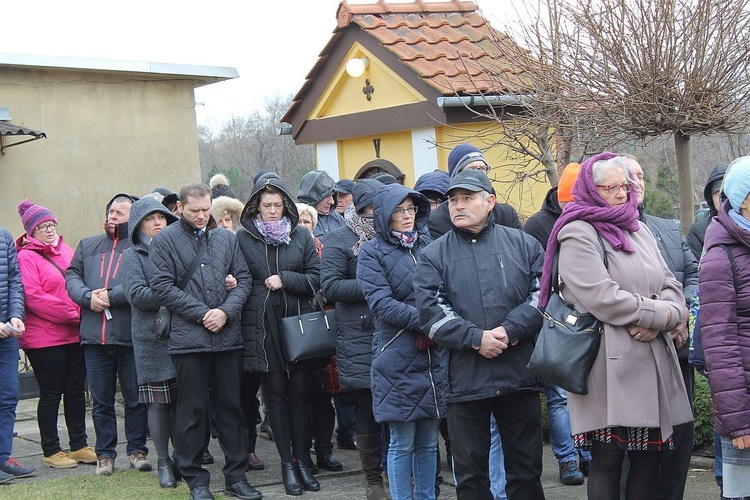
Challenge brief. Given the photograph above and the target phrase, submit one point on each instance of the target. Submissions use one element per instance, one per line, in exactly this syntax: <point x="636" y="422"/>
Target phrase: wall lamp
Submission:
<point x="356" y="67"/>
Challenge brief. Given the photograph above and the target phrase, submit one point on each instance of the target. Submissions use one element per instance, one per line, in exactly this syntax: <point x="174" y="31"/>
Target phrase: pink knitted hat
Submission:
<point x="33" y="215"/>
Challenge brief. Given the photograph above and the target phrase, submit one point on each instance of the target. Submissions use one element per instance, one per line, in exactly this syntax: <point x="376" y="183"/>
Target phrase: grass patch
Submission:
<point x="122" y="484"/>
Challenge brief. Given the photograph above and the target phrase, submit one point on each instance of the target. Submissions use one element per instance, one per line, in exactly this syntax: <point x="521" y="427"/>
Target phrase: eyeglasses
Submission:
<point x="400" y="213"/>
<point x="43" y="228"/>
<point x="613" y="189"/>
<point x="367" y="216"/>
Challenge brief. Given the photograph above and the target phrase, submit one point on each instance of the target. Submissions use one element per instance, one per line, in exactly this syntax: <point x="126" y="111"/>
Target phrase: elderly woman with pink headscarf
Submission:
<point x="636" y="392"/>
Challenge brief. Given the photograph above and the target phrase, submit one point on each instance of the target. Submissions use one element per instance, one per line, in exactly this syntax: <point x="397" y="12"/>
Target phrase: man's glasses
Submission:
<point x="46" y="227"/>
<point x="613" y="189"/>
<point x="400" y="213"/>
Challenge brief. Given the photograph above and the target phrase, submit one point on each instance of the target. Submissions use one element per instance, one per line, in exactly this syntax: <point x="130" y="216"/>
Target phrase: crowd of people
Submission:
<point x="437" y="292"/>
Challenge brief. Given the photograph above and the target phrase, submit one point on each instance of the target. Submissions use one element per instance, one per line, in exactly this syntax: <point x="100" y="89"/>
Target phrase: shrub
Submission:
<point x="703" y="409"/>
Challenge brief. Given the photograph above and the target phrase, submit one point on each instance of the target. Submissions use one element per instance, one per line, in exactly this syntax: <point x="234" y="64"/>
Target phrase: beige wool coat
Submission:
<point x="632" y="383"/>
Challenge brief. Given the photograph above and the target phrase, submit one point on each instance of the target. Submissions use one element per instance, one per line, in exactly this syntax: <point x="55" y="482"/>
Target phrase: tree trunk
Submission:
<point x="550" y="165"/>
<point x="685" y="179"/>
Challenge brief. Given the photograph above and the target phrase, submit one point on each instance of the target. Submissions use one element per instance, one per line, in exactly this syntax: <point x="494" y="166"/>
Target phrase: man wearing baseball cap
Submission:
<point x="476" y="290"/>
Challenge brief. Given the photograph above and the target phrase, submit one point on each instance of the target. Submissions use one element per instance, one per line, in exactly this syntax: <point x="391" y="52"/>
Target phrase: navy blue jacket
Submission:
<point x="468" y="283"/>
<point x="407" y="384"/>
<point x="354" y="321"/>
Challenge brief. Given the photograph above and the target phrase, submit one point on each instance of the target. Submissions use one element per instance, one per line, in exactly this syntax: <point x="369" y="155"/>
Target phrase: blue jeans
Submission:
<point x="497" y="462"/>
<point x="412" y="452"/>
<point x="104" y="365"/>
<point x="8" y="394"/>
<point x="558" y="419"/>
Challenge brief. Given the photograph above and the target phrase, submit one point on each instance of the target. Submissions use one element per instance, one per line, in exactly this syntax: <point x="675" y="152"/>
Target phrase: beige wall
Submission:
<point x="106" y="133"/>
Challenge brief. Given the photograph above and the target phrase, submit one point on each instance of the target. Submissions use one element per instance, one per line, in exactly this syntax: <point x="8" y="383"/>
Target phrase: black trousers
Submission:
<point x="364" y="422"/>
<point x="323" y="415"/>
<point x="193" y="374"/>
<point x="251" y="406"/>
<point x="60" y="372"/>
<point x="519" y="419"/>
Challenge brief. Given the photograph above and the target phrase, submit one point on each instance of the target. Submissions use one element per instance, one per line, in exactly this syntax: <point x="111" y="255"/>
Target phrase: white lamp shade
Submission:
<point x="356" y="67"/>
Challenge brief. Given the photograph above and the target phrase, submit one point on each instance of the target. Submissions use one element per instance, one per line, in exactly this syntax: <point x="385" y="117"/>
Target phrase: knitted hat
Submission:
<point x="385" y="178"/>
<point x="33" y="215"/>
<point x="737" y="181"/>
<point x="364" y="193"/>
<point x="219" y="185"/>
<point x="567" y="179"/>
<point x="462" y="155"/>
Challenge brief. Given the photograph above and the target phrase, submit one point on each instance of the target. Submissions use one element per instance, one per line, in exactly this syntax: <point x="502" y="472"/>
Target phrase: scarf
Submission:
<point x="610" y="222"/>
<point x="364" y="230"/>
<point x="407" y="239"/>
<point x="274" y="233"/>
<point x="738" y="219"/>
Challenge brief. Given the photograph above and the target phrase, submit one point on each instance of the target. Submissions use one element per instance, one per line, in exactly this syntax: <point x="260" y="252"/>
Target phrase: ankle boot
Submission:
<point x="306" y="477"/>
<point x="369" y="447"/>
<point x="165" y="473"/>
<point x="290" y="479"/>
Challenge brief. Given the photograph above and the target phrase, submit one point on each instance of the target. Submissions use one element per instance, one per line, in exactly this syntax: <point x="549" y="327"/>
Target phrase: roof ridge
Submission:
<point x="345" y="12"/>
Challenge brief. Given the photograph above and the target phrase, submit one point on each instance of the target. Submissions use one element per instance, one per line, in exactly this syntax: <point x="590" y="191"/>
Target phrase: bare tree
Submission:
<point x="655" y="67"/>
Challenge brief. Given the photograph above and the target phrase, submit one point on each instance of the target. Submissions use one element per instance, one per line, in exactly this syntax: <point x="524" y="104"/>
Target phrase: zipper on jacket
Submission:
<point x="412" y="257"/>
<point x="101" y="267"/>
<point x="106" y="283"/>
<point x="117" y="266"/>
<point x="385" y="346"/>
<point x="502" y="269"/>
<point x="432" y="381"/>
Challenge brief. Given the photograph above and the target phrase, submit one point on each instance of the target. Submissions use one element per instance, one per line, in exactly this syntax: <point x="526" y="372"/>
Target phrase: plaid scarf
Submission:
<point x="274" y="233"/>
<point x="363" y="229"/>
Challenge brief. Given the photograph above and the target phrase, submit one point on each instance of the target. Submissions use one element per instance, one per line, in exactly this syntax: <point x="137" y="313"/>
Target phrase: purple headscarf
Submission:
<point x="588" y="205"/>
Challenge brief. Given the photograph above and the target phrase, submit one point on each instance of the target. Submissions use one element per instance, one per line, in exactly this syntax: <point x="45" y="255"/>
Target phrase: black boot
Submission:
<point x="165" y="473"/>
<point x="175" y="469"/>
<point x="306" y="477"/>
<point x="370" y="446"/>
<point x="290" y="479"/>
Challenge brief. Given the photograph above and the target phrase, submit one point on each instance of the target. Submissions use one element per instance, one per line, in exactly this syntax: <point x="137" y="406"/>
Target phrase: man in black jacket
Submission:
<point x="205" y="340"/>
<point x="94" y="283"/>
<point x="476" y="290"/>
<point x="681" y="261"/>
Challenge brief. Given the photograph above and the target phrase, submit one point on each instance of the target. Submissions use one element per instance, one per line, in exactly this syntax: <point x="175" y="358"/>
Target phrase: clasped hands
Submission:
<point x="679" y="334"/>
<point x="494" y="342"/>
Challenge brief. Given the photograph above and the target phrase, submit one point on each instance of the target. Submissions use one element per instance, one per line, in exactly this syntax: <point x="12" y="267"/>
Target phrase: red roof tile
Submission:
<point x="442" y="42"/>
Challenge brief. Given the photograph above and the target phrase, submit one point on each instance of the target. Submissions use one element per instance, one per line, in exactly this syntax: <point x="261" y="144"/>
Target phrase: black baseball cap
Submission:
<point x="471" y="180"/>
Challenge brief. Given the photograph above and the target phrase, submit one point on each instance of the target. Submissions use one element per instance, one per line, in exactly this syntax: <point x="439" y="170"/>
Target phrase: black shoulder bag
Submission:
<point x="164" y="315"/>
<point x="309" y="336"/>
<point x="568" y="342"/>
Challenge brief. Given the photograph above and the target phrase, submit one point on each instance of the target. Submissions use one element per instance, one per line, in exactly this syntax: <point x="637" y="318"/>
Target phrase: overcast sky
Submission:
<point x="272" y="43"/>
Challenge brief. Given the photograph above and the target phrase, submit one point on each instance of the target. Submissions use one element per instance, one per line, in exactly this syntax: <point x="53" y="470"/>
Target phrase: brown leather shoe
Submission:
<point x="254" y="463"/>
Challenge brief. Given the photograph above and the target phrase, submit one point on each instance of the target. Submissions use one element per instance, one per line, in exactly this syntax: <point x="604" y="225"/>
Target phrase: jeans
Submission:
<point x="8" y="394"/>
<point x="560" y="437"/>
<point x="497" y="463"/>
<point x="104" y="365"/>
<point x="60" y="372"/>
<point x="412" y="453"/>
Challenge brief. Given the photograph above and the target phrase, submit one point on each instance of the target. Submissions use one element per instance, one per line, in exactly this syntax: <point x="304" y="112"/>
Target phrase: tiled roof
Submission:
<point x="448" y="44"/>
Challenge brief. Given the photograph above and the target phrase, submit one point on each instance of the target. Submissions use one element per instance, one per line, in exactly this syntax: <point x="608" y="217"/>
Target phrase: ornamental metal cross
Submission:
<point x="368" y="90"/>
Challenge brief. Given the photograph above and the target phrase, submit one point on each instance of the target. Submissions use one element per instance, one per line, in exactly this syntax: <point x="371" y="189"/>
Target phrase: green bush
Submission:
<point x="703" y="408"/>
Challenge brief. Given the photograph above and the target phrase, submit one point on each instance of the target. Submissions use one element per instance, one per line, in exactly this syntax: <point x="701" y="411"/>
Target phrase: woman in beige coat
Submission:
<point x="636" y="393"/>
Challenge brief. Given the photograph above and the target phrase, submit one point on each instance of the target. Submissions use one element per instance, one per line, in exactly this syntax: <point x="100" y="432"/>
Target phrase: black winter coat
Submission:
<point x="171" y="253"/>
<point x="298" y="265"/>
<point x="355" y="322"/>
<point x="540" y="224"/>
<point x="465" y="284"/>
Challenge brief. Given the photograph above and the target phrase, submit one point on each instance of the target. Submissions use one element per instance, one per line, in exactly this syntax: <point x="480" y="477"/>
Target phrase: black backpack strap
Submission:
<point x="48" y="259"/>
<point x="731" y="263"/>
<point x="194" y="266"/>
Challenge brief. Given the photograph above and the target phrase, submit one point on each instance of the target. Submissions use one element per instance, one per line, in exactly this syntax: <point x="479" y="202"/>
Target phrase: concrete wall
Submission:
<point x="106" y="133"/>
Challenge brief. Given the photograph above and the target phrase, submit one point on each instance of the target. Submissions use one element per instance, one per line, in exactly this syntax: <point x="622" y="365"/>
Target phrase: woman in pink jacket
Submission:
<point x="51" y="340"/>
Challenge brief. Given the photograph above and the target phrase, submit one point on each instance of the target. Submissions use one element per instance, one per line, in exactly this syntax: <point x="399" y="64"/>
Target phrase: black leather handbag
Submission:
<point x="311" y="335"/>
<point x="568" y="342"/>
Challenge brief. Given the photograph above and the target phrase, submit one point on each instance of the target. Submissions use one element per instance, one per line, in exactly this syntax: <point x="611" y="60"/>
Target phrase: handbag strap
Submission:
<point x="555" y="282"/>
<point x="314" y="294"/>
<point x="194" y="266"/>
<point x="49" y="259"/>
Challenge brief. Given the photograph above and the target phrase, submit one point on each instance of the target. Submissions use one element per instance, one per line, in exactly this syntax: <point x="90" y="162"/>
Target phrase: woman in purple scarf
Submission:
<point x="636" y="393"/>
